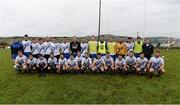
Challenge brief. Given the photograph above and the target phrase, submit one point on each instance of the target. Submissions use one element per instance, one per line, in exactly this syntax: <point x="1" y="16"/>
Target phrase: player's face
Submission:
<point x="30" y="57"/>
<point x="62" y="57"/>
<point x="157" y="54"/>
<point x="74" y="38"/>
<point x="131" y="54"/>
<point x="20" y="54"/>
<point x="101" y="39"/>
<point x="99" y="56"/>
<point x="25" y="38"/>
<point x="120" y="57"/>
<point x="71" y="57"/>
<point x="40" y="41"/>
<point x="92" y="38"/>
<point x="142" y="55"/>
<point x="110" y="39"/>
<point x="52" y="56"/>
<point x="147" y="41"/>
<point x="108" y="55"/>
<point x="86" y="56"/>
<point x="120" y="39"/>
<point x="41" y="57"/>
<point x="129" y="40"/>
<point x="79" y="54"/>
<point x="138" y="40"/>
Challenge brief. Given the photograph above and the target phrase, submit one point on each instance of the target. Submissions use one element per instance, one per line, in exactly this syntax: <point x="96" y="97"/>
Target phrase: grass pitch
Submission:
<point x="90" y="88"/>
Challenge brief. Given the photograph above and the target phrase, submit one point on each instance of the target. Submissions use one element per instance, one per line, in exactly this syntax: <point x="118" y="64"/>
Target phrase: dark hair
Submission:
<point x="98" y="53"/>
<point x="40" y="39"/>
<point x="157" y="51"/>
<point x="107" y="52"/>
<point x="142" y="53"/>
<point x="131" y="51"/>
<point x="26" y="35"/>
<point x="129" y="37"/>
<point x="138" y="37"/>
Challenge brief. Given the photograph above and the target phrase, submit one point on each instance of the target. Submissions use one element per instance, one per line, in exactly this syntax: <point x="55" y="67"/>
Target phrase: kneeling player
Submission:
<point x="98" y="64"/>
<point x="79" y="59"/>
<point x="131" y="62"/>
<point x="62" y="67"/>
<point x="42" y="64"/>
<point x="142" y="63"/>
<point x="86" y="63"/>
<point x="31" y="64"/>
<point x="72" y="64"/>
<point x="52" y="62"/>
<point x="20" y="62"/>
<point x="109" y="62"/>
<point x="156" y="64"/>
<point x="120" y="64"/>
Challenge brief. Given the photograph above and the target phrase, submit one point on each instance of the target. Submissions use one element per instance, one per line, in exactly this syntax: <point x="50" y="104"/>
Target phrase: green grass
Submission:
<point x="90" y="88"/>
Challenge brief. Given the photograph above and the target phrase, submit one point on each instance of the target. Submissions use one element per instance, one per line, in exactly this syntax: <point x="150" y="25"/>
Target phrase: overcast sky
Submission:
<point x="80" y="17"/>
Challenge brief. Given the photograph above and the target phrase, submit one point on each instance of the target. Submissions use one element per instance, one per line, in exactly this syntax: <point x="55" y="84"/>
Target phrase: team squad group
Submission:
<point x="46" y="55"/>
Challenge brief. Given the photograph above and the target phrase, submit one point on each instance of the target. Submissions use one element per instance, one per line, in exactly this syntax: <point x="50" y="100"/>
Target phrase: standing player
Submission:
<point x="84" y="47"/>
<point x="41" y="47"/>
<point x="86" y="63"/>
<point x="15" y="47"/>
<point x="42" y="64"/>
<point x="56" y="49"/>
<point x="111" y="45"/>
<point x="20" y="62"/>
<point x="109" y="62"/>
<point x="79" y="59"/>
<point x="48" y="48"/>
<point x="26" y="45"/>
<point x="142" y="63"/>
<point x="130" y="44"/>
<point x="120" y="64"/>
<point x="62" y="64"/>
<point x="138" y="47"/>
<point x="121" y="48"/>
<point x="65" y="46"/>
<point x="131" y="62"/>
<point x="92" y="47"/>
<point x="52" y="63"/>
<point x="102" y="46"/>
<point x="31" y="64"/>
<point x="34" y="48"/>
<point x="75" y="46"/>
<point x="98" y="64"/>
<point x="72" y="64"/>
<point x="156" y="64"/>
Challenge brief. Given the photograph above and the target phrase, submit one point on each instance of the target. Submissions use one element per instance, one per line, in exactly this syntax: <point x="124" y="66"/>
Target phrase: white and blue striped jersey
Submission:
<point x="156" y="62"/>
<point x="35" y="48"/>
<point x="65" y="47"/>
<point x="143" y="62"/>
<point x="26" y="45"/>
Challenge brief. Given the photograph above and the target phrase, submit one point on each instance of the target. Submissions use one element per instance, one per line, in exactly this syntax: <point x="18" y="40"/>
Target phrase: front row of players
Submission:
<point x="80" y="64"/>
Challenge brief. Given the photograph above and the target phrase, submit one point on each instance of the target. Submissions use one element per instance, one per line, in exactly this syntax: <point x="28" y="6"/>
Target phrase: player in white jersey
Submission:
<point x="48" y="48"/>
<point x="142" y="64"/>
<point x="130" y="44"/>
<point x="79" y="59"/>
<point x="20" y="62"/>
<point x="52" y="63"/>
<point x="26" y="46"/>
<point x="31" y="64"/>
<point x="98" y="64"/>
<point x="41" y="47"/>
<point x="131" y="62"/>
<point x="62" y="67"/>
<point x="84" y="47"/>
<point x="86" y="63"/>
<point x="34" y="48"/>
<point x="42" y="64"/>
<point x="65" y="46"/>
<point x="156" y="63"/>
<point x="109" y="62"/>
<point x="72" y="64"/>
<point x="120" y="64"/>
<point x="56" y="49"/>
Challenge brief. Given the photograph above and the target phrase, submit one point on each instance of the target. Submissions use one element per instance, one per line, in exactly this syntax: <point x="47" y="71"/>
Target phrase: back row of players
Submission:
<point x="49" y="55"/>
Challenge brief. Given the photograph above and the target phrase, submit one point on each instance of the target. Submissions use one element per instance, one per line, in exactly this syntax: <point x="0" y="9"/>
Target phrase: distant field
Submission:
<point x="90" y="88"/>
